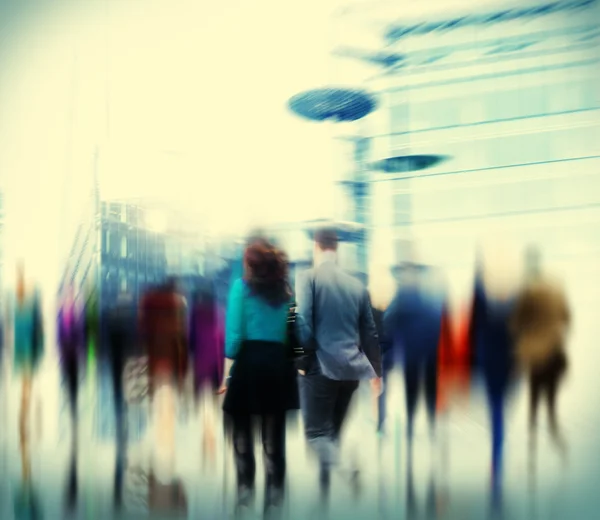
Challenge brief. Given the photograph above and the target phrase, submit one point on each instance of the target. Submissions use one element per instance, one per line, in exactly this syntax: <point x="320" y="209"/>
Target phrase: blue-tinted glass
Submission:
<point x="400" y="118"/>
<point x="500" y="16"/>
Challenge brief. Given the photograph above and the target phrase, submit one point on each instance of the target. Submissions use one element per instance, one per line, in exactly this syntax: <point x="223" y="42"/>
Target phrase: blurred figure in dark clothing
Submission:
<point x="70" y="339"/>
<point x="163" y="334"/>
<point x="539" y="324"/>
<point x="122" y="338"/>
<point x="387" y="365"/>
<point x="413" y="321"/>
<point x="493" y="303"/>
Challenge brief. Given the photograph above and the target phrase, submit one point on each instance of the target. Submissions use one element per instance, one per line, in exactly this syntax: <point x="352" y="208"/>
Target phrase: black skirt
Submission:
<point x="263" y="380"/>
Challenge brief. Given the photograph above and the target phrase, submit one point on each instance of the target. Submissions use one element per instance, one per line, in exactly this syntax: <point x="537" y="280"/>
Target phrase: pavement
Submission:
<point x="449" y="478"/>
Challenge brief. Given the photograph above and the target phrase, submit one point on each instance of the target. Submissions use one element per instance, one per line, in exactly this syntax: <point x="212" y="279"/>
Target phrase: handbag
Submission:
<point x="304" y="358"/>
<point x="296" y="348"/>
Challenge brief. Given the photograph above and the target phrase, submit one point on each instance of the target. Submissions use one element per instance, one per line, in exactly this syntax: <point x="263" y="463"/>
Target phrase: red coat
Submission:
<point x="163" y="332"/>
<point x="454" y="361"/>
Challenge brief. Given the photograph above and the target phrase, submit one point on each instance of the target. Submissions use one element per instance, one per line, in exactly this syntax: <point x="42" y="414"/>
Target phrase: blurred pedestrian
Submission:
<point x="414" y="322"/>
<point x="260" y="378"/>
<point x="207" y="343"/>
<point x="70" y="341"/>
<point x="337" y="329"/>
<point x="121" y="329"/>
<point x="540" y="324"/>
<point x="163" y="332"/>
<point x="492" y="348"/>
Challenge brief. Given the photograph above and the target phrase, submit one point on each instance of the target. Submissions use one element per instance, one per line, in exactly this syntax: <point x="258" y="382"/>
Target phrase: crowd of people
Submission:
<point x="276" y="349"/>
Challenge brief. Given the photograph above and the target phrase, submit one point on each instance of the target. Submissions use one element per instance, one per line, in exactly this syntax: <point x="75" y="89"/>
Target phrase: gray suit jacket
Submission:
<point x="337" y="321"/>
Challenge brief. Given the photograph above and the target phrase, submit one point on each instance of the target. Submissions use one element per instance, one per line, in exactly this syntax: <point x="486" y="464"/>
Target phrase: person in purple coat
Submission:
<point x="207" y="338"/>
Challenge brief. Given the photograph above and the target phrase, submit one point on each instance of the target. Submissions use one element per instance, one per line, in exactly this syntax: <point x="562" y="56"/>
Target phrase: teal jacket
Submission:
<point x="252" y="318"/>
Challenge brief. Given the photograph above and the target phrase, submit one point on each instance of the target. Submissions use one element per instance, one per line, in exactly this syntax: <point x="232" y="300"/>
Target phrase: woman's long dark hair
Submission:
<point x="267" y="272"/>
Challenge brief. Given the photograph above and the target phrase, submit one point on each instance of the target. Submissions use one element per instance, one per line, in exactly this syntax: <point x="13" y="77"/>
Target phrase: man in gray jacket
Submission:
<point x="336" y="327"/>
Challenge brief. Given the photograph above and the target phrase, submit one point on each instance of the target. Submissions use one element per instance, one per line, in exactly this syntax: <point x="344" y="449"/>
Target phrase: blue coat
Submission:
<point x="492" y="345"/>
<point x="413" y="321"/>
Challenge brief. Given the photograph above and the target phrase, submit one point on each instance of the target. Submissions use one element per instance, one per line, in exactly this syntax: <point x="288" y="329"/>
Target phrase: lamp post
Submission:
<point x="344" y="105"/>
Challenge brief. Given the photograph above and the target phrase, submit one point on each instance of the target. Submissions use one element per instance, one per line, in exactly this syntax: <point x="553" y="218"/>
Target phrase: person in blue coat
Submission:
<point x="493" y="357"/>
<point x="413" y="322"/>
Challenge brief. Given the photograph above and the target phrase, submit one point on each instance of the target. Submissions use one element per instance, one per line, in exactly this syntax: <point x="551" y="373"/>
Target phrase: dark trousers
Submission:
<point x="420" y="374"/>
<point x="117" y="366"/>
<point x="273" y="441"/>
<point x="71" y="375"/>
<point x="325" y="404"/>
<point x="497" y="388"/>
<point x="544" y="383"/>
<point x="388" y="362"/>
<point x="382" y="401"/>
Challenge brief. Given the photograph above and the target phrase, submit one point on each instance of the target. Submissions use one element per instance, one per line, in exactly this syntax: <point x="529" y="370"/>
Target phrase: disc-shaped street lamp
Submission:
<point x="333" y="104"/>
<point x="407" y="163"/>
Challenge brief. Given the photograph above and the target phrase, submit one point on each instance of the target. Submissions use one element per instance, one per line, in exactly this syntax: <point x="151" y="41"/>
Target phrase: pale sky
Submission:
<point x="183" y="99"/>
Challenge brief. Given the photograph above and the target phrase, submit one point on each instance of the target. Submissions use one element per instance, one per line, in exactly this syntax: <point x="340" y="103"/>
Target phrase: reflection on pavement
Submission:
<point x="161" y="467"/>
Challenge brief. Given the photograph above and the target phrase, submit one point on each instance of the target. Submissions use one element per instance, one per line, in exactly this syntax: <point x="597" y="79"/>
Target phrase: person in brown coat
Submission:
<point x="539" y="326"/>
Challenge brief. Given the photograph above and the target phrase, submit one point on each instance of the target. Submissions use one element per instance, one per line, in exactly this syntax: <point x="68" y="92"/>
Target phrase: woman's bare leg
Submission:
<point x="207" y="408"/>
<point x="25" y="405"/>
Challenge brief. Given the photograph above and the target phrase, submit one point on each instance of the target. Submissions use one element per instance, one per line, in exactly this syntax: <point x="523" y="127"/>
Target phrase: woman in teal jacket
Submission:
<point x="260" y="374"/>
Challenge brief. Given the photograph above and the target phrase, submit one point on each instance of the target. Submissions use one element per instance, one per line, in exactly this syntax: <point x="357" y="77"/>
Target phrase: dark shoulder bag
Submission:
<point x="294" y="345"/>
<point x="302" y="357"/>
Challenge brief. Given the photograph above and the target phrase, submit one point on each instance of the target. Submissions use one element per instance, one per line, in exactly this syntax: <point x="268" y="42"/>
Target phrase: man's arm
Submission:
<point x="304" y="311"/>
<point x="368" y="333"/>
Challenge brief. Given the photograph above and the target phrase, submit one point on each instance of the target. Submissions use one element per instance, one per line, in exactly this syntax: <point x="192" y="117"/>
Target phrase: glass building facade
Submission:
<point x="509" y="98"/>
<point x="133" y="246"/>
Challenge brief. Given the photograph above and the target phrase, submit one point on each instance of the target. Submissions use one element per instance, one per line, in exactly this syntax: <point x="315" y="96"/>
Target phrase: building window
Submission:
<point x="400" y="116"/>
<point x="569" y="96"/>
<point x="502" y="105"/>
<point x="402" y="209"/>
<point x="533" y="101"/>
<point x="123" y="247"/>
<point x="472" y="110"/>
<point x="132" y="215"/>
<point x="115" y="211"/>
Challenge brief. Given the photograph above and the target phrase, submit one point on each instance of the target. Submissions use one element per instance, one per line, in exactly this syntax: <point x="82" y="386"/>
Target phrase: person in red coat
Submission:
<point x="164" y="336"/>
<point x="454" y="361"/>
